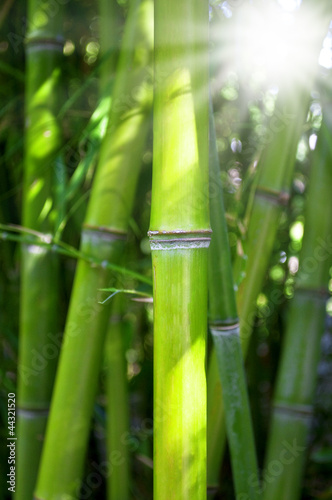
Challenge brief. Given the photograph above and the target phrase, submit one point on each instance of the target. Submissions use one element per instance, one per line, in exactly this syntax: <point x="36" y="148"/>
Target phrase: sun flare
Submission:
<point x="280" y="39"/>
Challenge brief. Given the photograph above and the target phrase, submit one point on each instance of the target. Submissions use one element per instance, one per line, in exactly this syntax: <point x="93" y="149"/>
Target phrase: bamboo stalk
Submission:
<point x="117" y="424"/>
<point x="179" y="236"/>
<point x="271" y="193"/>
<point x="297" y="374"/>
<point x="117" y="405"/>
<point x="276" y="167"/>
<point x="39" y="276"/>
<point x="272" y="190"/>
<point x="224" y="327"/>
<point x="103" y="235"/>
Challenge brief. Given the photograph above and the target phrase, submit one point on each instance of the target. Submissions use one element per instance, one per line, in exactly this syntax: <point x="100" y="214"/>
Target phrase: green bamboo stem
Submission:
<point x="276" y="167"/>
<point x="117" y="405"/>
<point x="224" y="327"/>
<point x="39" y="276"/>
<point x="118" y="483"/>
<point x="297" y="372"/>
<point x="271" y="195"/>
<point x="179" y="235"/>
<point x="272" y="192"/>
<point x="216" y="429"/>
<point x="103" y="235"/>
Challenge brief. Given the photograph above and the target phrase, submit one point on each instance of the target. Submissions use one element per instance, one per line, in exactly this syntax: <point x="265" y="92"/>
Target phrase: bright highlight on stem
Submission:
<point x="179" y="235"/>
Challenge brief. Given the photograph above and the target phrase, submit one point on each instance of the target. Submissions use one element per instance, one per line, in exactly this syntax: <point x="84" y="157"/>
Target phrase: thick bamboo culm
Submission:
<point x="179" y="236"/>
<point x="225" y="330"/>
<point x="38" y="352"/>
<point x="103" y="236"/>
<point x="297" y="374"/>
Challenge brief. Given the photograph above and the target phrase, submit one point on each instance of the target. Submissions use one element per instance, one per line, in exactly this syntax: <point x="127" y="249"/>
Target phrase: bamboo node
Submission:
<point x="39" y="43"/>
<point x="180" y="244"/>
<point x="280" y="198"/>
<point x="179" y="239"/>
<point x="226" y="330"/>
<point x="298" y="410"/>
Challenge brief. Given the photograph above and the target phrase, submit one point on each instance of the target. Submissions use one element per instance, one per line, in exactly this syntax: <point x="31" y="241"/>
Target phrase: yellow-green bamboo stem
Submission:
<point x="297" y="373"/>
<point x="179" y="235"/>
<point x="38" y="353"/>
<point x="103" y="233"/>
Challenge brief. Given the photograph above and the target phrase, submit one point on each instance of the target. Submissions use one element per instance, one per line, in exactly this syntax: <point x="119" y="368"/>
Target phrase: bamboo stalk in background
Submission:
<point x="271" y="193"/>
<point x="117" y="404"/>
<point x="225" y="330"/>
<point x="103" y="236"/>
<point x="179" y="236"/>
<point x="276" y="166"/>
<point x="297" y="374"/>
<point x="276" y="169"/>
<point x="117" y="413"/>
<point x="275" y="173"/>
<point x="39" y="283"/>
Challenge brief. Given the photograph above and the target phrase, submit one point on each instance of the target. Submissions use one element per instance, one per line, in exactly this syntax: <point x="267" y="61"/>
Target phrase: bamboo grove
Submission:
<point x="166" y="249"/>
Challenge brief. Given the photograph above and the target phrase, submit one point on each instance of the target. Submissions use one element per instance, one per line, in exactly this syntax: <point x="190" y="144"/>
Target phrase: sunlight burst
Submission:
<point x="280" y="40"/>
